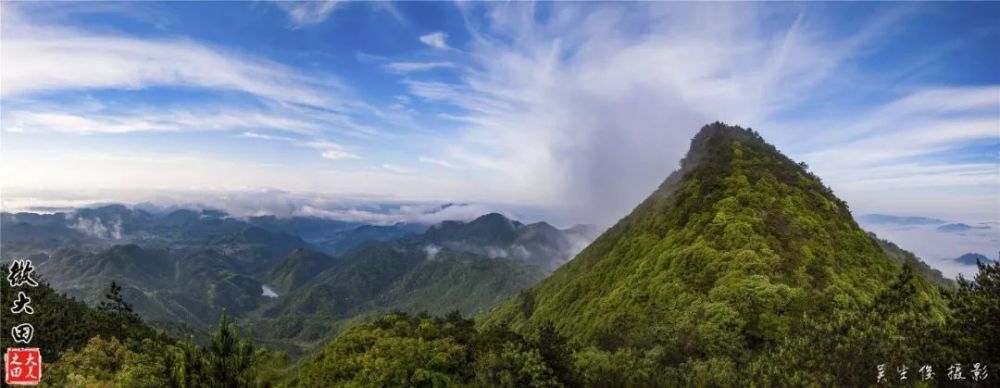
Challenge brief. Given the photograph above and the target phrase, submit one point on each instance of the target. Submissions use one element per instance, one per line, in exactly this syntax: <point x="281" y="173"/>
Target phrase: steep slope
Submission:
<point x="720" y="266"/>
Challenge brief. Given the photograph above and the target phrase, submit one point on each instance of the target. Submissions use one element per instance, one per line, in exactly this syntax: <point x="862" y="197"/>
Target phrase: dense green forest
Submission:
<point x="400" y="349"/>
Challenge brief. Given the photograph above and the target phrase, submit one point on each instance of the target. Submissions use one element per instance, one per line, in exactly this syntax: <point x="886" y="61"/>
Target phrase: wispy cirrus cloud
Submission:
<point x="42" y="59"/>
<point x="926" y="149"/>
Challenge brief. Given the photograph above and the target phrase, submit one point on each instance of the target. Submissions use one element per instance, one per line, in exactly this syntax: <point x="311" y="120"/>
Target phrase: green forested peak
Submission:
<point x="725" y="262"/>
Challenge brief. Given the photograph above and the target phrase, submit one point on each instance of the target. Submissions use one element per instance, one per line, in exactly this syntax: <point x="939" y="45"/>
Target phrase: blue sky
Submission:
<point x="573" y="110"/>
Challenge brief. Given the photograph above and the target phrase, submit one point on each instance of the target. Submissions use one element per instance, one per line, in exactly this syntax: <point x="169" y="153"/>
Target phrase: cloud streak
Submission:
<point x="52" y="119"/>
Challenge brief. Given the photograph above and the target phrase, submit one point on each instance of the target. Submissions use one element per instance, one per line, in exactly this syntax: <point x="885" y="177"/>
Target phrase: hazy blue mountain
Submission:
<point x="959" y="227"/>
<point x="884" y="219"/>
<point x="973" y="258"/>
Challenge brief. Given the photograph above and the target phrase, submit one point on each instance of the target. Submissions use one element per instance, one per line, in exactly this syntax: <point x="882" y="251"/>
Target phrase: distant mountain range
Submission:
<point x="183" y="267"/>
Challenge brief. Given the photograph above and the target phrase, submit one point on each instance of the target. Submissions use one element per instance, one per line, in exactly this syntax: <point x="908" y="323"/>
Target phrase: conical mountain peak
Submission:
<point x="740" y="236"/>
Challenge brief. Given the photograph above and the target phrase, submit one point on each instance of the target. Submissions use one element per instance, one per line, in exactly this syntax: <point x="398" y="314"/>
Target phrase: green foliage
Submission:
<point x="228" y="361"/>
<point x="405" y="350"/>
<point x="108" y="363"/>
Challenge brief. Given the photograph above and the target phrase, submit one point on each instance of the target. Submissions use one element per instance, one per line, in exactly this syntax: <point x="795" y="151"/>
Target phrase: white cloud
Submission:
<point x="305" y="13"/>
<point x="410" y="67"/>
<point x="435" y="40"/>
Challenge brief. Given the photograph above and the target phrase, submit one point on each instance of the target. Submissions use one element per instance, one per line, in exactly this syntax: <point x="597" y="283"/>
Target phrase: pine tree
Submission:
<point x="116" y="306"/>
<point x="229" y="360"/>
